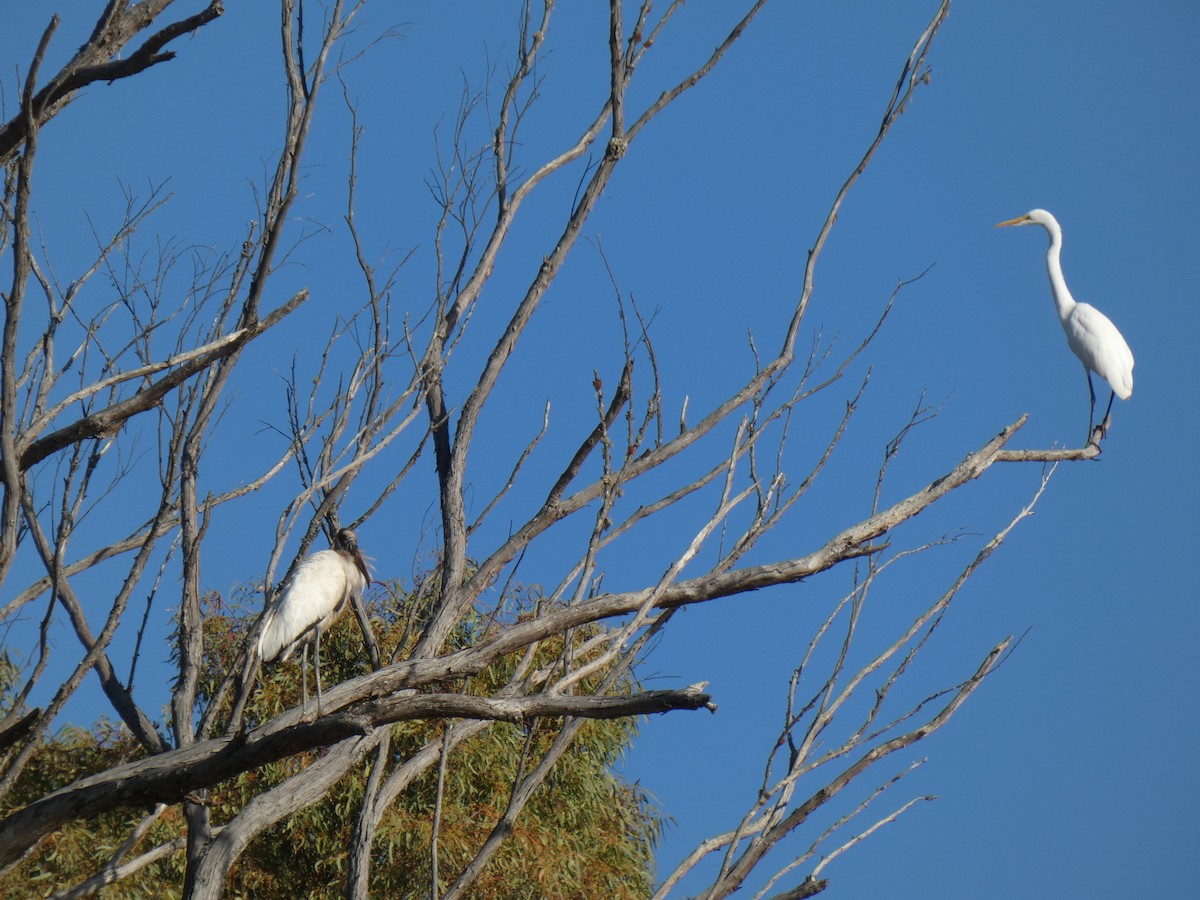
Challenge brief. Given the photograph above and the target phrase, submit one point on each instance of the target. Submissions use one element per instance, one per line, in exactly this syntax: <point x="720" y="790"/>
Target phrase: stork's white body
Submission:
<point x="315" y="595"/>
<point x="318" y="591"/>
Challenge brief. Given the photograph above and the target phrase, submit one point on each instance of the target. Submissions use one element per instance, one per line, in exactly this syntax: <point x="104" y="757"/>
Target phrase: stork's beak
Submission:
<point x="362" y="565"/>
<point x="1019" y="220"/>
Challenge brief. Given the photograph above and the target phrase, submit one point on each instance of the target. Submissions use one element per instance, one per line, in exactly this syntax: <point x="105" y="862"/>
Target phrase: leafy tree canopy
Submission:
<point x="585" y="833"/>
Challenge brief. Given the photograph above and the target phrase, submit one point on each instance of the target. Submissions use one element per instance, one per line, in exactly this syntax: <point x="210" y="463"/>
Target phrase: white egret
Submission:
<point x="1090" y="334"/>
<point x="315" y="595"/>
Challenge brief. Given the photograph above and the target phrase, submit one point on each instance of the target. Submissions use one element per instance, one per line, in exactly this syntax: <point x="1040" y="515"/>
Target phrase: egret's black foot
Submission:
<point x="1099" y="433"/>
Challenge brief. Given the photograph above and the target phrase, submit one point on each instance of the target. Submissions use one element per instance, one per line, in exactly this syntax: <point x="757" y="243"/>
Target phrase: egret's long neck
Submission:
<point x="1063" y="301"/>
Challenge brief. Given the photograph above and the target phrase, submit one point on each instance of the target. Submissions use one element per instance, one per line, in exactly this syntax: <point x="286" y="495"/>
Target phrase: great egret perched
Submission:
<point x="1090" y="334"/>
<point x="312" y="599"/>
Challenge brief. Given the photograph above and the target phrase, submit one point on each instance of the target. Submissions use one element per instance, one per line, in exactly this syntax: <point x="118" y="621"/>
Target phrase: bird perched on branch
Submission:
<point x="320" y="588"/>
<point x="1090" y="334"/>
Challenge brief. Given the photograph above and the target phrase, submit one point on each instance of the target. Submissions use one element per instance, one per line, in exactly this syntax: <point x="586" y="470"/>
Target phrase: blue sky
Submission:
<point x="1070" y="773"/>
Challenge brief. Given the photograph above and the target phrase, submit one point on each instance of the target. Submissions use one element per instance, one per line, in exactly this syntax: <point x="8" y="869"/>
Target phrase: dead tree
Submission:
<point x="77" y="397"/>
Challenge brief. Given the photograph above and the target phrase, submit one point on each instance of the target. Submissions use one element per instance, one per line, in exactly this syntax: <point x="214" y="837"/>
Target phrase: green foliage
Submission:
<point x="584" y="833"/>
<point x="79" y="850"/>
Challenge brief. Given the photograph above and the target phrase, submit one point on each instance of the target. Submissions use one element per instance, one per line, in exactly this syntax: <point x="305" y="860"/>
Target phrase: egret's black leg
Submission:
<point x="1107" y="412"/>
<point x="1091" y="404"/>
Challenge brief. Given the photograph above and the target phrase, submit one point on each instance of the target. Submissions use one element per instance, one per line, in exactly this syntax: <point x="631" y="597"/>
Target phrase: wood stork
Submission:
<point x="1090" y="334"/>
<point x="315" y="595"/>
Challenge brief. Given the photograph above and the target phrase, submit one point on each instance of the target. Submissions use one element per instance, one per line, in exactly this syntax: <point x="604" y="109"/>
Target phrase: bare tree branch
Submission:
<point x="94" y="61"/>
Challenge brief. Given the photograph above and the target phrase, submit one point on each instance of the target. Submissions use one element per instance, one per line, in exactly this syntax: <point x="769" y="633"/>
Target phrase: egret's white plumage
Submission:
<point x="1091" y="335"/>
<point x="315" y="595"/>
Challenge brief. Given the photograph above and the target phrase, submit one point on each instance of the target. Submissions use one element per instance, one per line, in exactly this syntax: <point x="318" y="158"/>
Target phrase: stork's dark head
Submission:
<point x="346" y="541"/>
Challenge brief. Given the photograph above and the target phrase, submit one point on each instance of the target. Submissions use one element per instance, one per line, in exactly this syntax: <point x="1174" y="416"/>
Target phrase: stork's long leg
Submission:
<point x="304" y="682"/>
<point x="317" y="658"/>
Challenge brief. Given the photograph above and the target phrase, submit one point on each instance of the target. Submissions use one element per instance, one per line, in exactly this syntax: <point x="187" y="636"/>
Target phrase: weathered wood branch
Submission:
<point x="520" y="710"/>
<point x="169" y="777"/>
<point x="1091" y="451"/>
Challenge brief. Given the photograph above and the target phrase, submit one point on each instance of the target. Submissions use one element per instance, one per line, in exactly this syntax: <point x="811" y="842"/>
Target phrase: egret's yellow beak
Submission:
<point x="1019" y="220"/>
